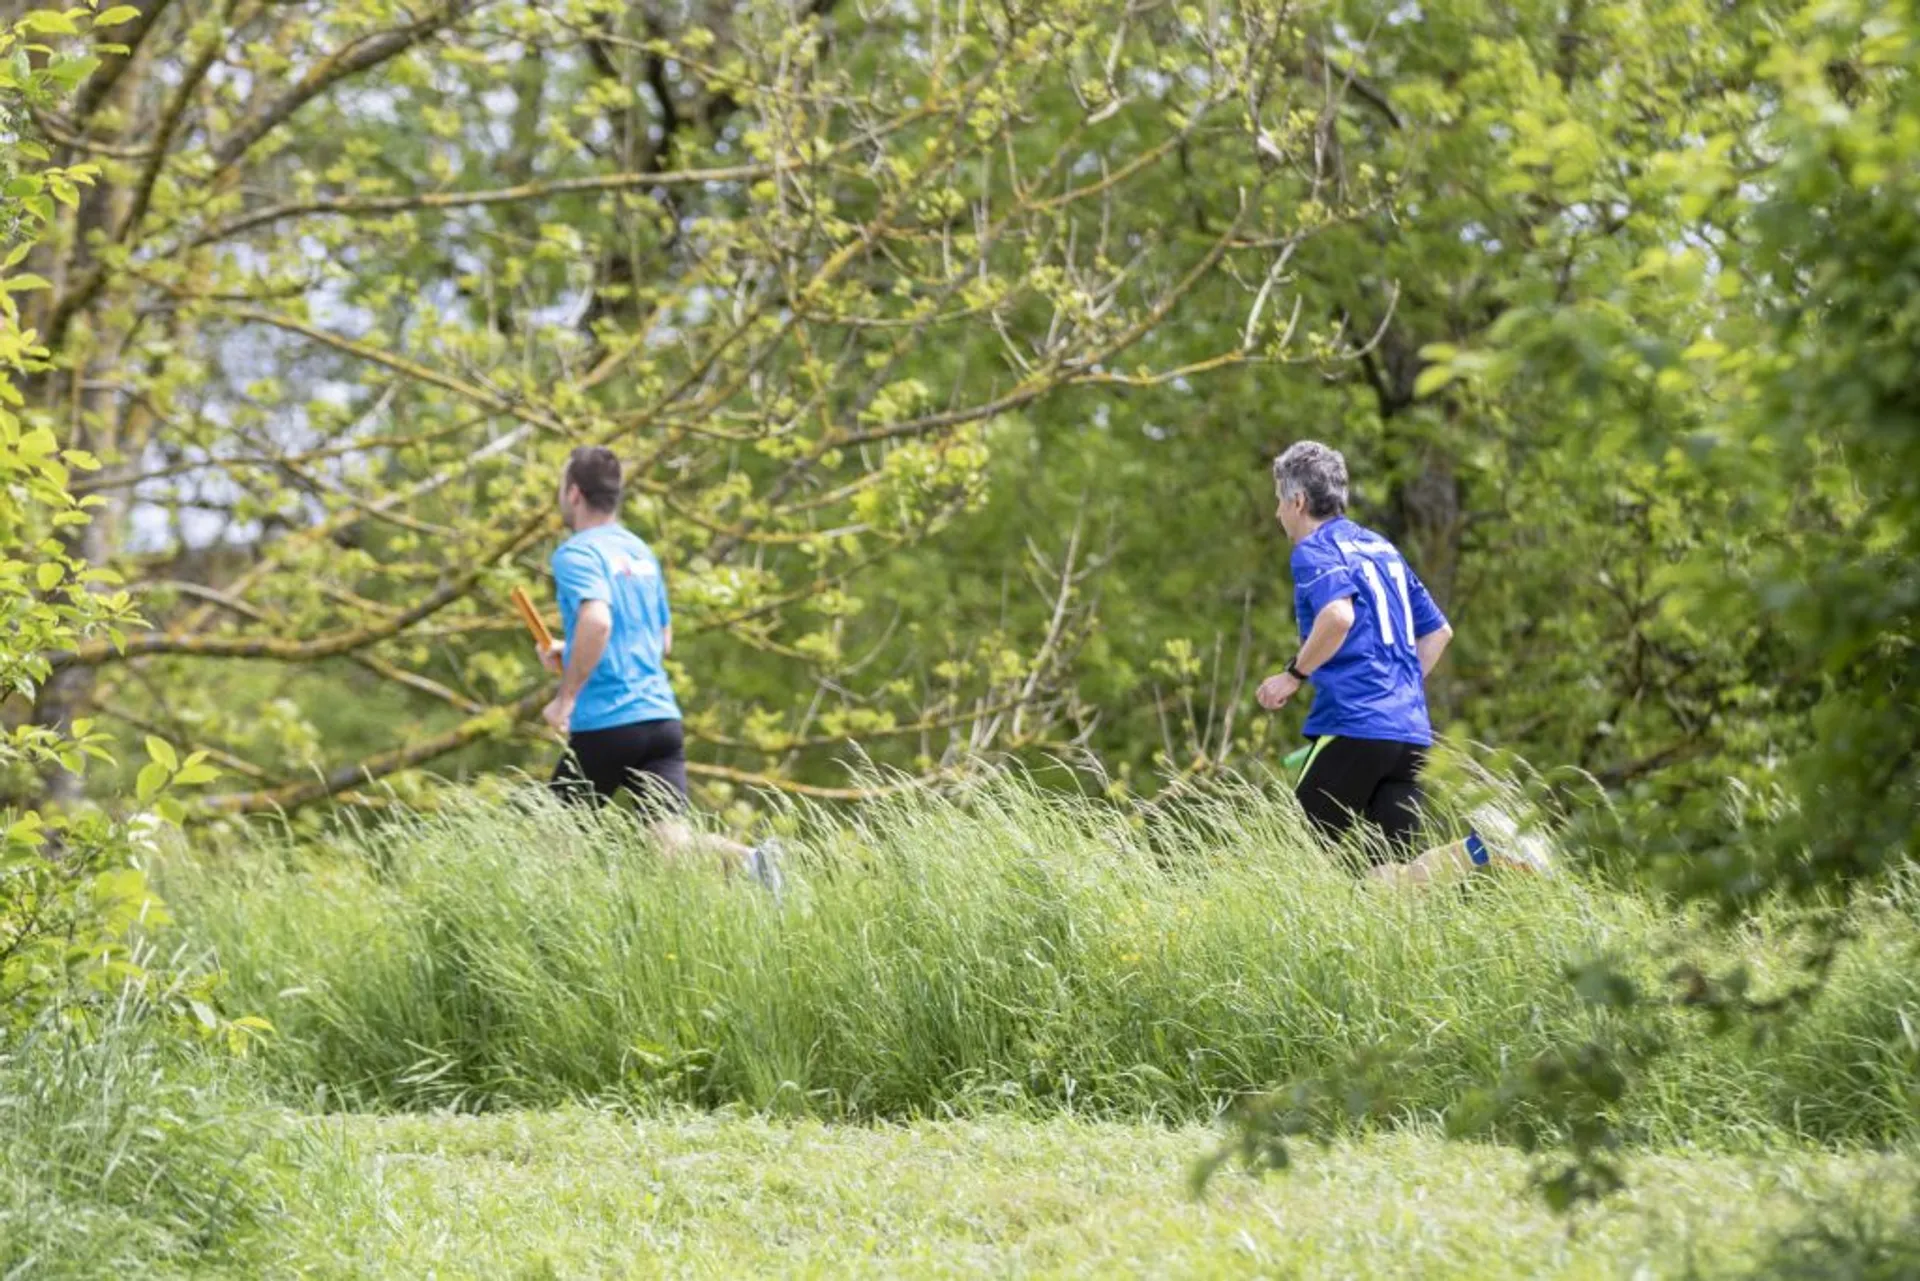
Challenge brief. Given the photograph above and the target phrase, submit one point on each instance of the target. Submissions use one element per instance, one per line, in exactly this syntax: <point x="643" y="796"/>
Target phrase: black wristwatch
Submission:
<point x="1293" y="670"/>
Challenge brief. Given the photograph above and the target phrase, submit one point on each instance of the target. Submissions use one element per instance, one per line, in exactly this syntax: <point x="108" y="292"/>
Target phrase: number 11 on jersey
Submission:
<point x="1382" y="607"/>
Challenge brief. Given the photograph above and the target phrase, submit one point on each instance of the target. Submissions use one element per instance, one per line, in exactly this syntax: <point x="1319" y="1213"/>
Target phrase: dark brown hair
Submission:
<point x="597" y="472"/>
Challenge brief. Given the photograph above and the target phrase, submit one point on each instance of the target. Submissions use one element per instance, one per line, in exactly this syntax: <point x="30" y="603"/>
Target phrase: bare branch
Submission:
<point x="366" y="206"/>
<point x="485" y="397"/>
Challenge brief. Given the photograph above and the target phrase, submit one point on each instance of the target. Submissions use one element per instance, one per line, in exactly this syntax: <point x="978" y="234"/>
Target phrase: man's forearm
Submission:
<point x="589" y="643"/>
<point x="1430" y="647"/>
<point x="1329" y="633"/>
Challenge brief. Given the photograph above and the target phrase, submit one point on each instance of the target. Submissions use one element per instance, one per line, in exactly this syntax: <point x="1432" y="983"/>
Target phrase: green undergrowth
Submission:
<point x="1004" y="950"/>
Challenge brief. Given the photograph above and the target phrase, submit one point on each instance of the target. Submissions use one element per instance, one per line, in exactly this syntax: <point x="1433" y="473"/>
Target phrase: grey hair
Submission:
<point x="1309" y="467"/>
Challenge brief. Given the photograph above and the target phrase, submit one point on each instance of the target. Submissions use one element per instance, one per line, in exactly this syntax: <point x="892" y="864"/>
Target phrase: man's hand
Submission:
<point x="1330" y="628"/>
<point x="554" y="657"/>
<point x="591" y="628"/>
<point x="1276" y="690"/>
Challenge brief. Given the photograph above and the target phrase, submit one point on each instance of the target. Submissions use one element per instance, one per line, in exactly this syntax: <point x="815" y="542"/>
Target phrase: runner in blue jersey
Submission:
<point x="615" y="703"/>
<point x="1369" y="634"/>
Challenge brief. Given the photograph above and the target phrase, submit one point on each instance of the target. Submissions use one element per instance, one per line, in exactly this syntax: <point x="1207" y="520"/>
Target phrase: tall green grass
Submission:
<point x="1003" y="949"/>
<point x="123" y="1152"/>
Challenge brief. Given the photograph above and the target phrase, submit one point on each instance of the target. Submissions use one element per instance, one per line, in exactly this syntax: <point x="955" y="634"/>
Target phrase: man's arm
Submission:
<point x="1430" y="626"/>
<point x="591" y="628"/>
<point x="1330" y="628"/>
<point x="1431" y="646"/>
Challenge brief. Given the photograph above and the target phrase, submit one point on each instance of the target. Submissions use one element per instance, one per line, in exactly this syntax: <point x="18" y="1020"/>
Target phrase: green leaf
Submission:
<point x="191" y="775"/>
<point x="119" y="14"/>
<point x="38" y="443"/>
<point x="49" y="575"/>
<point x="162" y="751"/>
<point x="153" y="777"/>
<point x="47" y="22"/>
<point x="69" y="72"/>
<point x="24" y="282"/>
<point x="1432" y="379"/>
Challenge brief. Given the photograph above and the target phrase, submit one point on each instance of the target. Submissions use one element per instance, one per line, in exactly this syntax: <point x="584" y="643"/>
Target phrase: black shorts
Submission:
<point x="647" y="760"/>
<point x="1349" y="780"/>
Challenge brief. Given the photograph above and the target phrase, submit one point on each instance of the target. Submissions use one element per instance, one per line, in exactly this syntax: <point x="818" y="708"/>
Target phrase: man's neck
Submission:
<point x="595" y="520"/>
<point x="1314" y="527"/>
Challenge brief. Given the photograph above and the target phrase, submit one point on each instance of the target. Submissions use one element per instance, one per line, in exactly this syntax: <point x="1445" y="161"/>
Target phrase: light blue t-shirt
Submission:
<point x="1372" y="686"/>
<point x="629" y="684"/>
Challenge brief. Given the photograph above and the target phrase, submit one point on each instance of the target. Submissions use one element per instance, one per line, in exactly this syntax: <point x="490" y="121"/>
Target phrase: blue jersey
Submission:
<point x="1372" y="687"/>
<point x="629" y="684"/>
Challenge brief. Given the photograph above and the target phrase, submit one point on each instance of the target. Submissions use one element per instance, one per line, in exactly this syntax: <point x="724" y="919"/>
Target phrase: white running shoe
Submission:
<point x="1507" y="846"/>
<point x="763" y="862"/>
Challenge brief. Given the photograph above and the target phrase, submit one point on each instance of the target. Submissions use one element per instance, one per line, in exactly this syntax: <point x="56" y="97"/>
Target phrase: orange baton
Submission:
<point x="531" y="617"/>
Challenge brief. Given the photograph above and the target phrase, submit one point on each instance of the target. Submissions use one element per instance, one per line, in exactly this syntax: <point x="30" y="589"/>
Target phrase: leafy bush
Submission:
<point x="119" y="1149"/>
<point x="72" y="887"/>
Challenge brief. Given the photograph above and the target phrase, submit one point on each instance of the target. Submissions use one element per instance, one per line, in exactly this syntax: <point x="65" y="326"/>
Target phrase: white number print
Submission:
<point x="1397" y="570"/>
<point x="1382" y="604"/>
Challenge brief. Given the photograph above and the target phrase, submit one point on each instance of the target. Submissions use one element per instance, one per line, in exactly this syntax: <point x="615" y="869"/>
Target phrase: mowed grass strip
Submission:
<point x="1006" y="950"/>
<point x="585" y="1194"/>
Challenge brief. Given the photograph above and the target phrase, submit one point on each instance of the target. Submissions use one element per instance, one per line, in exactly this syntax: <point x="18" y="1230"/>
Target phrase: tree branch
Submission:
<point x="485" y="397"/>
<point x="358" y="56"/>
<point x="294" y="795"/>
<point x="95" y="652"/>
<point x="356" y="206"/>
<point x="112" y="67"/>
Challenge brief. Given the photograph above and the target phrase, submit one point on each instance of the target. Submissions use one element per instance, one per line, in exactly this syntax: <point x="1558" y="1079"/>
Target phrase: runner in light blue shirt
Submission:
<point x="629" y="684"/>
<point x="615" y="703"/>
